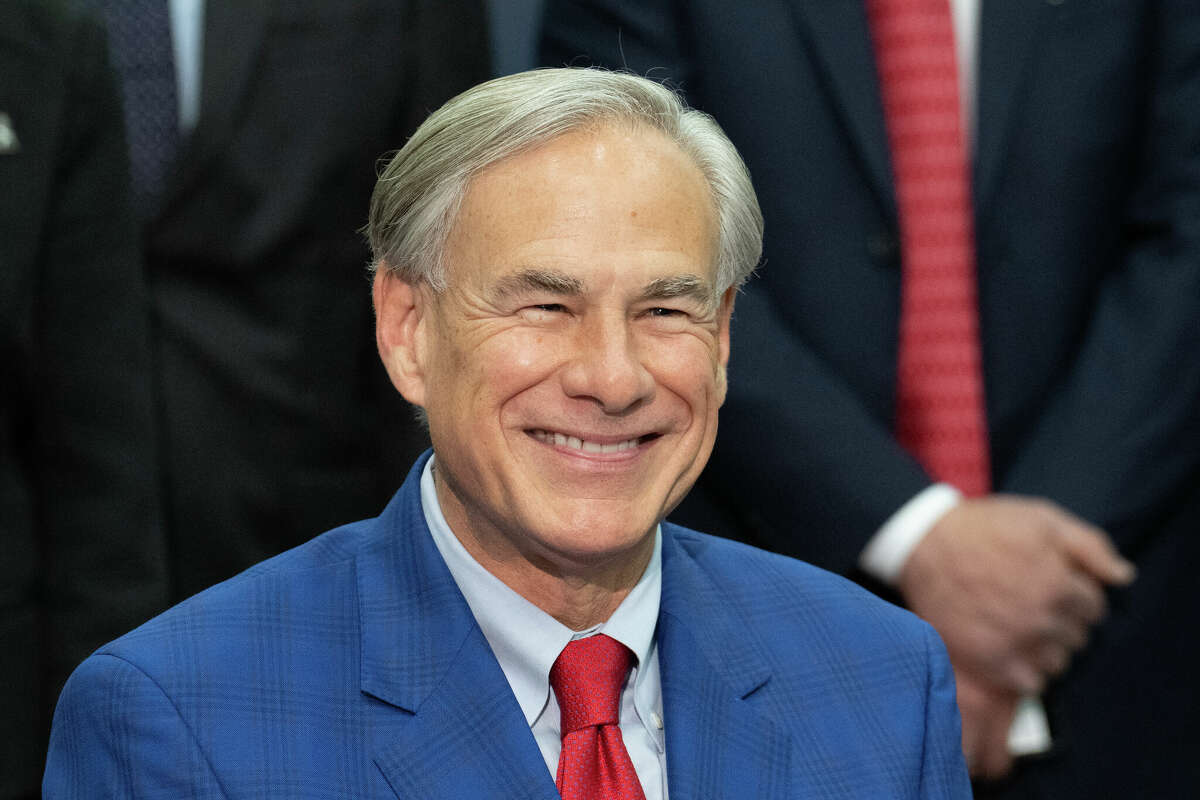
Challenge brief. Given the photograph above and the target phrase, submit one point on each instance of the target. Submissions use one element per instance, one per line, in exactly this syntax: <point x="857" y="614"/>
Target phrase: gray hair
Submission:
<point x="420" y="191"/>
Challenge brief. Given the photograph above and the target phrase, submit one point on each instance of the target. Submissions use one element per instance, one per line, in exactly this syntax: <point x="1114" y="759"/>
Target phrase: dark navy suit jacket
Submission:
<point x="352" y="667"/>
<point x="1087" y="220"/>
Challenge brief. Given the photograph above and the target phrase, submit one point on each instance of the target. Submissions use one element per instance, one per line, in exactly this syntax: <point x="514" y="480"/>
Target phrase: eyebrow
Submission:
<point x="691" y="287"/>
<point x="538" y="280"/>
<point x="556" y="282"/>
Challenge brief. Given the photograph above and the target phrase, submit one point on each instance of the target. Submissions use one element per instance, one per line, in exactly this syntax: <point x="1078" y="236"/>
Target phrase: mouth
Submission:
<point x="604" y="446"/>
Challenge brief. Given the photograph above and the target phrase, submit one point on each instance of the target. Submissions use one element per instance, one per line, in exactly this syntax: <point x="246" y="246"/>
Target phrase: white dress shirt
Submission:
<point x="187" y="42"/>
<point x="526" y="641"/>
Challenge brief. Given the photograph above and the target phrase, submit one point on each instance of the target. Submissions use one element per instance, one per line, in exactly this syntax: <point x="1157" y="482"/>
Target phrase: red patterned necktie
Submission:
<point x="940" y="416"/>
<point x="587" y="680"/>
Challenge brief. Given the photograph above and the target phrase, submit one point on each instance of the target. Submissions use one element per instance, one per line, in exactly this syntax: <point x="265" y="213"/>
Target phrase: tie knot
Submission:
<point x="587" y="678"/>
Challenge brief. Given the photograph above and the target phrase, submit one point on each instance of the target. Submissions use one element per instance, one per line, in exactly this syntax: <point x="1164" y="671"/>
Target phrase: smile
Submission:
<point x="586" y="445"/>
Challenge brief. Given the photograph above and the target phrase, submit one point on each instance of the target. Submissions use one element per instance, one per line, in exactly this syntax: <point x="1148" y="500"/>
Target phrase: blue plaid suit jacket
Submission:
<point x="352" y="667"/>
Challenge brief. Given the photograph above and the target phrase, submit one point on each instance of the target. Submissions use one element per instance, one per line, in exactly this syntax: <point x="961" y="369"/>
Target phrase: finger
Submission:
<point x="993" y="762"/>
<point x="987" y="713"/>
<point x="1083" y="599"/>
<point x="970" y="744"/>
<point x="1053" y="659"/>
<point x="1064" y="631"/>
<point x="992" y="758"/>
<point x="1024" y="675"/>
<point x="1090" y="548"/>
<point x="971" y="711"/>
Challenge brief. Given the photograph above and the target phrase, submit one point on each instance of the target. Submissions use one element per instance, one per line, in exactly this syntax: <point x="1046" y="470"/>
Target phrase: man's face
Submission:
<point x="573" y="368"/>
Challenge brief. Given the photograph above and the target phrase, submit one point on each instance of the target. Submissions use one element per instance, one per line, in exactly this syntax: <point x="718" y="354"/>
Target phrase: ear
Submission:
<point x="401" y="312"/>
<point x="724" y="317"/>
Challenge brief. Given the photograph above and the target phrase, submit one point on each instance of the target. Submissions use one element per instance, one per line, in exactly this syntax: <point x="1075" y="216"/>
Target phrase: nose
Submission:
<point x="607" y="368"/>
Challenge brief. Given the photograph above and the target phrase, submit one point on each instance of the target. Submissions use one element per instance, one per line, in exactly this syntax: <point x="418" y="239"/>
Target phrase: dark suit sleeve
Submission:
<point x="788" y="415"/>
<point x="95" y="507"/>
<point x="1119" y="440"/>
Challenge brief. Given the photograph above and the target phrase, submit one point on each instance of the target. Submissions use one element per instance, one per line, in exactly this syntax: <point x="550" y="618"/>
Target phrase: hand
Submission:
<point x="987" y="715"/>
<point x="1013" y="585"/>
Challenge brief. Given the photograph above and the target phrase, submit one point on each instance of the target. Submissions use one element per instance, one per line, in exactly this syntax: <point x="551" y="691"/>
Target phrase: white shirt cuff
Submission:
<point x="1030" y="731"/>
<point x="889" y="549"/>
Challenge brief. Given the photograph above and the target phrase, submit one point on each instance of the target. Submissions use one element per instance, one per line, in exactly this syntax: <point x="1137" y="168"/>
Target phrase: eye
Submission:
<point x="667" y="319"/>
<point x="543" y="312"/>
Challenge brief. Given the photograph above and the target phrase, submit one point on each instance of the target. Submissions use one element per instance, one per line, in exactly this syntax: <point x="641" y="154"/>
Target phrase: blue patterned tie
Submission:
<point x="139" y="36"/>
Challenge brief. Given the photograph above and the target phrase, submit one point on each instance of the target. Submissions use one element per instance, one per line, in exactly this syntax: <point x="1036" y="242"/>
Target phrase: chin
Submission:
<point x="596" y="534"/>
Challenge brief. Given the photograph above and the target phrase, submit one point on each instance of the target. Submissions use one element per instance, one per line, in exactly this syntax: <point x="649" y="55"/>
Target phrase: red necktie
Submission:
<point x="587" y="680"/>
<point x="940" y="416"/>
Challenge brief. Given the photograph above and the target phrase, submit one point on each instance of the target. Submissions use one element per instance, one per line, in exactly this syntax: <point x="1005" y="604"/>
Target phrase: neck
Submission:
<point x="580" y="596"/>
<point x="580" y="591"/>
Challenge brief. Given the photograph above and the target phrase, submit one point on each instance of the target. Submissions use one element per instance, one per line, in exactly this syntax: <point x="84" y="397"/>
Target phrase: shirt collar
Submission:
<point x="526" y="640"/>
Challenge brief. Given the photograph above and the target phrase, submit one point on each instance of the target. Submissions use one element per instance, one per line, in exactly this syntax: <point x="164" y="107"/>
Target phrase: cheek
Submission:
<point x="508" y="364"/>
<point x="687" y="367"/>
<point x="526" y="352"/>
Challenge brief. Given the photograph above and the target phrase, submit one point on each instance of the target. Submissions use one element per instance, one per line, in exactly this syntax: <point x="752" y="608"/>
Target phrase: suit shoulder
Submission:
<point x="112" y="714"/>
<point x="297" y="588"/>
<point x="204" y="682"/>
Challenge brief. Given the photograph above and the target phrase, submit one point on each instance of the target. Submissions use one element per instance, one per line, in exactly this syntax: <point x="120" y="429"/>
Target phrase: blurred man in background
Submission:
<point x="255" y="128"/>
<point x="972" y="346"/>
<point x="82" y="549"/>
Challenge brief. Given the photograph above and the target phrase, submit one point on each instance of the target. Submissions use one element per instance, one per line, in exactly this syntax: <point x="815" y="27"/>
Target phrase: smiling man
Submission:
<point x="557" y="255"/>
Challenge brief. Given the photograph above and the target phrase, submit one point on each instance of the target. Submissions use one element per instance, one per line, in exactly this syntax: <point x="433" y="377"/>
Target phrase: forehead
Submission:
<point x="589" y="198"/>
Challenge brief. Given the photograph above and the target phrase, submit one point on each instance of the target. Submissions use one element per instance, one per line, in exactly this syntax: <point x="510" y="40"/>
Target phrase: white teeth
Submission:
<point x="586" y="446"/>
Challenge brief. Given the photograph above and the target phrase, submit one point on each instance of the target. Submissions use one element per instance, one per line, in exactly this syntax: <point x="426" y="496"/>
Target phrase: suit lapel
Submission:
<point x="719" y="744"/>
<point x="462" y="733"/>
<point x="468" y="738"/>
<point x="233" y="33"/>
<point x="840" y="39"/>
<point x="841" y="42"/>
<point x="1008" y="30"/>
